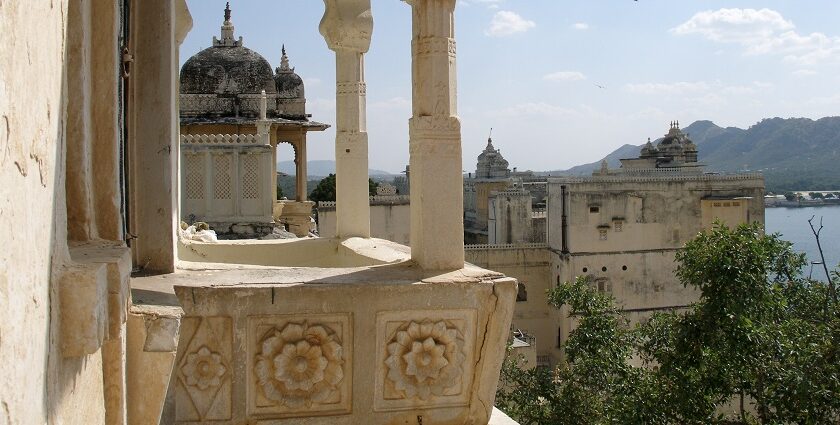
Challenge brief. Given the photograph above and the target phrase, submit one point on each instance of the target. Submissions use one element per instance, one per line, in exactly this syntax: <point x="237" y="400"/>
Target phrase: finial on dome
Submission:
<point x="227" y="39"/>
<point x="284" y="61"/>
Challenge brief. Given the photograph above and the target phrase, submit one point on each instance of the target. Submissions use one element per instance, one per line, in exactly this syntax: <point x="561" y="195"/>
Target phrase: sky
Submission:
<point x="563" y="82"/>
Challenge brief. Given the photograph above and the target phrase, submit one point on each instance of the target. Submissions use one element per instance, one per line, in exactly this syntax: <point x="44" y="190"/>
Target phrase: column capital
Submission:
<point x="347" y="25"/>
<point x="449" y="4"/>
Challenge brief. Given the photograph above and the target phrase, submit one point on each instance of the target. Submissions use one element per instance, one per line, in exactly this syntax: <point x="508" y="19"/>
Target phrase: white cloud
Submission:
<point x="321" y="105"/>
<point x="535" y="108"/>
<point x="491" y="4"/>
<point x="564" y="76"/>
<point x="804" y="72"/>
<point x="580" y="26"/>
<point x="735" y="25"/>
<point x="714" y="89"/>
<point x="312" y="81"/>
<point x="507" y="23"/>
<point x="676" y="88"/>
<point x="392" y="103"/>
<point x="759" y="32"/>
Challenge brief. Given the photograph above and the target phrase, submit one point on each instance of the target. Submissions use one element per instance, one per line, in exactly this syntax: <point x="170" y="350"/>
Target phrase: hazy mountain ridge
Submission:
<point x="793" y="153"/>
<point x="320" y="168"/>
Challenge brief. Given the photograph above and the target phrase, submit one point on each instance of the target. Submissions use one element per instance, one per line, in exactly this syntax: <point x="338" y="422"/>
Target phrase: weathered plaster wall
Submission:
<point x="390" y="221"/>
<point x="643" y="213"/>
<point x="31" y="121"/>
<point x="531" y="268"/>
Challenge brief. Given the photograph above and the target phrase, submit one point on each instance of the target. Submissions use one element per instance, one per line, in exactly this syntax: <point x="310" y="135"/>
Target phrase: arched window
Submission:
<point x="522" y="293"/>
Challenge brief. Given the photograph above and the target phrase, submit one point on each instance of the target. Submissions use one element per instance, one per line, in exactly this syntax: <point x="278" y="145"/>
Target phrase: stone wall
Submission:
<point x="531" y="266"/>
<point x="643" y="213"/>
<point x="390" y="219"/>
<point x="31" y="190"/>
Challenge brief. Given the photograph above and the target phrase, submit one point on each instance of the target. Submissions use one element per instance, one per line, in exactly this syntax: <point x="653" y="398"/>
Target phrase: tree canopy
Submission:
<point x="761" y="345"/>
<point x="325" y="190"/>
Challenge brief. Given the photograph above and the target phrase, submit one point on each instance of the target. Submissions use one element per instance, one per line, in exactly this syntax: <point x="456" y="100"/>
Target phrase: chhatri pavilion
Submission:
<point x="230" y="182"/>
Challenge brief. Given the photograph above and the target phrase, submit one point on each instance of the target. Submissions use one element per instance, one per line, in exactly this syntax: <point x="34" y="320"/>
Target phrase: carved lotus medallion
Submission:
<point x="425" y="359"/>
<point x="299" y="365"/>
<point x="203" y="369"/>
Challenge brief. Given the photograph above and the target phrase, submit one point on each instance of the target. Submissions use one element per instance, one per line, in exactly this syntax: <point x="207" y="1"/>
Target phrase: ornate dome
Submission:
<point x="227" y="67"/>
<point x="227" y="70"/>
<point x="676" y="145"/>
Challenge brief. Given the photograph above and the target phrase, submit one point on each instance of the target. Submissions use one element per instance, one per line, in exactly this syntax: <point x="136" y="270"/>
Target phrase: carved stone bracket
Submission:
<point x="347" y="24"/>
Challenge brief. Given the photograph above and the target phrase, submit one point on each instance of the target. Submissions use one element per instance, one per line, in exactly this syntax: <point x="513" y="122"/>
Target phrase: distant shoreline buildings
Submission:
<point x="619" y="227"/>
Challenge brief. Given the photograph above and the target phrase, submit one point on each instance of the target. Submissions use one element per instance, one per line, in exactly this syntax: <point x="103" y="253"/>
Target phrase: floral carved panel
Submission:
<point x="299" y="365"/>
<point x="203" y="388"/>
<point x="425" y="358"/>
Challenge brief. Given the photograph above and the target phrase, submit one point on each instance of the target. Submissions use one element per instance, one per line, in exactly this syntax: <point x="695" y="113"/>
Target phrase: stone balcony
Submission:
<point x="299" y="331"/>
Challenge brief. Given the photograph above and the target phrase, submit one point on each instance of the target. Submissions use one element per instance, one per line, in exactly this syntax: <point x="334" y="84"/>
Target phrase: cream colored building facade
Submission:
<point x="390" y="218"/>
<point x="106" y="320"/>
<point x="622" y="228"/>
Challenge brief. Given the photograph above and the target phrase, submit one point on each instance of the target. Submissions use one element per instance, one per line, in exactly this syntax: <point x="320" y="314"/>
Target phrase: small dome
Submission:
<point x="289" y="85"/>
<point x="227" y="70"/>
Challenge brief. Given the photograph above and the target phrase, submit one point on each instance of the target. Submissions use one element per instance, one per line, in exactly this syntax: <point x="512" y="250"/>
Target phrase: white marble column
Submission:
<point x="347" y="27"/>
<point x="300" y="168"/>
<point x="437" y="199"/>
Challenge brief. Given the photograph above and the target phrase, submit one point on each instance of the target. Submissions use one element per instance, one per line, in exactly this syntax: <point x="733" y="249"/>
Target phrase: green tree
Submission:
<point x="325" y="190"/>
<point x="759" y="335"/>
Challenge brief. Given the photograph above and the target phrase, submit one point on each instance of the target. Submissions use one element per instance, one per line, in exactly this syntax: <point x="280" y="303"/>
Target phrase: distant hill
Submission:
<point x="320" y="168"/>
<point x="793" y="153"/>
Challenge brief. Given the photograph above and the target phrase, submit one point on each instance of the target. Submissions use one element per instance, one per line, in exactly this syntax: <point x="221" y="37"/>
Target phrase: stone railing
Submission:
<point x="221" y="139"/>
<point x="375" y="200"/>
<point x="476" y="247"/>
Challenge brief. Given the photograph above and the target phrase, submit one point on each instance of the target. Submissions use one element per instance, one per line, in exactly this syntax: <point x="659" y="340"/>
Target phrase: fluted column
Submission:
<point x="437" y="199"/>
<point x="346" y="27"/>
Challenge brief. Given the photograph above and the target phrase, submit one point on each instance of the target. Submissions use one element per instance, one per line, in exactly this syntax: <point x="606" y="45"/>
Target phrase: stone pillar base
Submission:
<point x="298" y="216"/>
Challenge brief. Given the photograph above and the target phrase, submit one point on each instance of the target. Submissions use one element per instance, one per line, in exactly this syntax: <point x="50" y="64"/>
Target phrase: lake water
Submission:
<point x="792" y="223"/>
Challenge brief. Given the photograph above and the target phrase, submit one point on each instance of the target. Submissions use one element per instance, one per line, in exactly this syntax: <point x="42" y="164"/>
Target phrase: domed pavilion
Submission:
<point x="234" y="110"/>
